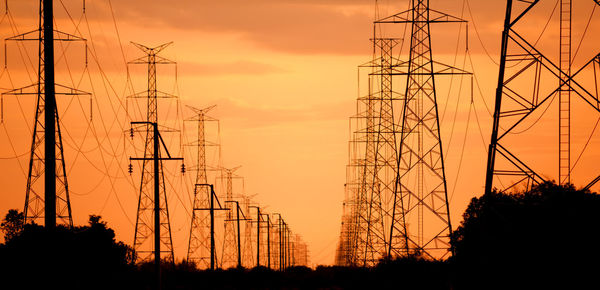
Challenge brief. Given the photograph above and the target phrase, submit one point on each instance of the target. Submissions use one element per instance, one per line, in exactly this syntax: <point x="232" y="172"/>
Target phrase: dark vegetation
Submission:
<point x="538" y="239"/>
<point x="542" y="239"/>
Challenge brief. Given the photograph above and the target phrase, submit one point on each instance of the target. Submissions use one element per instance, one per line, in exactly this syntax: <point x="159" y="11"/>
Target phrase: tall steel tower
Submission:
<point x="396" y="175"/>
<point x="421" y="198"/>
<point x="229" y="256"/>
<point x="248" y="248"/>
<point x="529" y="80"/>
<point x="47" y="198"/>
<point x="378" y="170"/>
<point x="199" y="244"/>
<point x="145" y="224"/>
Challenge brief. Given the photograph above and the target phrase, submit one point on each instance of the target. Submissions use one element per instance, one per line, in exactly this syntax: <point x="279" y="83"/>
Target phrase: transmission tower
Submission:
<point x="528" y="82"/>
<point x="46" y="198"/>
<point x="376" y="176"/>
<point x="152" y="207"/>
<point x="424" y="202"/>
<point x="396" y="174"/>
<point x="248" y="250"/>
<point x="199" y="248"/>
<point x="229" y="256"/>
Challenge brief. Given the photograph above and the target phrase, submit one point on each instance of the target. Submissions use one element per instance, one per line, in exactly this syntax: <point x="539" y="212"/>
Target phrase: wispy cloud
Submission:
<point x="250" y="116"/>
<point x="308" y="27"/>
<point x="242" y="67"/>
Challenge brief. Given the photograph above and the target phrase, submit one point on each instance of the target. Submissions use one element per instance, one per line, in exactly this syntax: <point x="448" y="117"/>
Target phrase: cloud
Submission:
<point x="241" y="67"/>
<point x="249" y="116"/>
<point x="337" y="27"/>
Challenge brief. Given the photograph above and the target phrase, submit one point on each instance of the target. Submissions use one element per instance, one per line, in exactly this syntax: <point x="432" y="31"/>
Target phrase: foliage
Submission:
<point x="76" y="255"/>
<point x="528" y="236"/>
<point x="12" y="224"/>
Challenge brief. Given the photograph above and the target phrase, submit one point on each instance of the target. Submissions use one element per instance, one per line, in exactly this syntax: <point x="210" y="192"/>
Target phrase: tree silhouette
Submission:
<point x="83" y="257"/>
<point x="12" y="224"/>
<point x="538" y="236"/>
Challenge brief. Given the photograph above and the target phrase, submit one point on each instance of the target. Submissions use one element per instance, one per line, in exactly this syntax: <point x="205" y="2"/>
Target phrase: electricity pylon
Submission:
<point x="528" y="82"/>
<point x="47" y="155"/>
<point x="423" y="203"/>
<point x="229" y="258"/>
<point x="377" y="168"/>
<point x="199" y="248"/>
<point x="145" y="225"/>
<point x="396" y="175"/>
<point x="248" y="247"/>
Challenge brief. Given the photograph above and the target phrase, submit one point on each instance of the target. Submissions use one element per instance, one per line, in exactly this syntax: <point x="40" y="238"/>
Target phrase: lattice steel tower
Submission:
<point x="248" y="248"/>
<point x="199" y="243"/>
<point x="528" y="83"/>
<point x="377" y="171"/>
<point x="47" y="198"/>
<point x="229" y="255"/>
<point x="421" y="198"/>
<point x="145" y="221"/>
<point x="396" y="174"/>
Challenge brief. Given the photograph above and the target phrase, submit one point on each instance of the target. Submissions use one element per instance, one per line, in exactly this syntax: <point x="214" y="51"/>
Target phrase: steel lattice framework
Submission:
<point x="145" y="221"/>
<point x="249" y="256"/>
<point x="46" y="175"/>
<point x="229" y="250"/>
<point x="528" y="81"/>
<point x="396" y="173"/>
<point x="199" y="243"/>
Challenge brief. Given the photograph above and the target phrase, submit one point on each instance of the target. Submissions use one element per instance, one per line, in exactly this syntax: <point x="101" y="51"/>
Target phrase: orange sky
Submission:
<point x="283" y="76"/>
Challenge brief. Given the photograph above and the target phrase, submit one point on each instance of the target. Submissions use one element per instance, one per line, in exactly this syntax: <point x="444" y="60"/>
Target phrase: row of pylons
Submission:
<point x="396" y="195"/>
<point x="226" y="229"/>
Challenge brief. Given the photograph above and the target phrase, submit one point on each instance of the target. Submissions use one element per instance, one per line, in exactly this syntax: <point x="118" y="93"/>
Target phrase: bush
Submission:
<point x="65" y="257"/>
<point x="540" y="236"/>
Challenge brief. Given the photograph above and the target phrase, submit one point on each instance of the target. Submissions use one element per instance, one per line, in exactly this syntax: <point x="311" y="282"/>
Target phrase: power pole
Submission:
<point x="47" y="160"/>
<point x="257" y="236"/>
<point x="279" y="231"/>
<point x="158" y="188"/>
<point x="152" y="212"/>
<point x="268" y="241"/>
<point x="523" y="91"/>
<point x="213" y="197"/>
<point x="258" y="222"/>
<point x="237" y="220"/>
<point x="198" y="246"/>
<point x="287" y="246"/>
<point x="49" y="116"/>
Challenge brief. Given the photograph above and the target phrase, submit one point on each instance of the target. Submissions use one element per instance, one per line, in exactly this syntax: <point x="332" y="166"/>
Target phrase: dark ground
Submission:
<point x="546" y="238"/>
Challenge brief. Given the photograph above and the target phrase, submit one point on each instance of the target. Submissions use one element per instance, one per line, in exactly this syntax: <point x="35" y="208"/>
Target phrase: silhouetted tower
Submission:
<point x="396" y="173"/>
<point x="145" y="221"/>
<point x="276" y="242"/>
<point x="229" y="239"/>
<point x="268" y="244"/>
<point x="377" y="169"/>
<point x="248" y="247"/>
<point x="47" y="198"/>
<point x="199" y="244"/>
<point x="529" y="80"/>
<point x="421" y="197"/>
